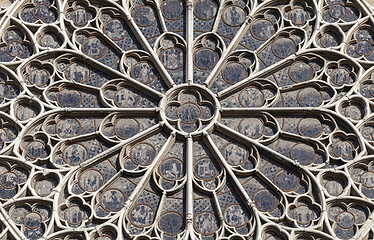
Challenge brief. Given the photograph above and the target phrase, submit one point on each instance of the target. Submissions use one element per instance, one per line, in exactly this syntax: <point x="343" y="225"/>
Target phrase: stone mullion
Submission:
<point x="189" y="188"/>
<point x="110" y="151"/>
<point x="279" y="158"/>
<point x="262" y="74"/>
<point x="218" y="208"/>
<point x="144" y="42"/>
<point x="189" y="39"/>
<point x="215" y="71"/>
<point x="159" y="15"/>
<point x="236" y="183"/>
<point x="151" y="169"/>
<point x="8" y="15"/>
<point x="209" y="141"/>
<point x="7" y="221"/>
<point x="146" y="178"/>
<point x="366" y="228"/>
<point x="115" y="74"/>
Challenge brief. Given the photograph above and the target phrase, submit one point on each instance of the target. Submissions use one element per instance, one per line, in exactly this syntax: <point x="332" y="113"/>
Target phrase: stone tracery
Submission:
<point x="206" y="119"/>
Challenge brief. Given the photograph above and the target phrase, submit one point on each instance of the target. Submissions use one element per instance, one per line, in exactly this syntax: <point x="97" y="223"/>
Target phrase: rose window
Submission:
<point x="196" y="119"/>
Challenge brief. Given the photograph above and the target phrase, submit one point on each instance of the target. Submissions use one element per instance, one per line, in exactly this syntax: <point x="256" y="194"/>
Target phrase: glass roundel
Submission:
<point x="198" y="120"/>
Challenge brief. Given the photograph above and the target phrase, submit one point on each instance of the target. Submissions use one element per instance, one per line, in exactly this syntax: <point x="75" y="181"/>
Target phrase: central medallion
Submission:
<point x="189" y="109"/>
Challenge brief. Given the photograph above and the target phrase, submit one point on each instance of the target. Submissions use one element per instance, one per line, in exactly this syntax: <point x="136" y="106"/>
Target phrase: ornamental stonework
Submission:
<point x="186" y="119"/>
